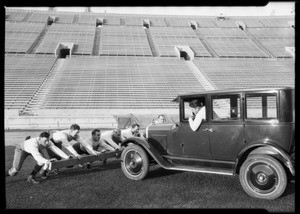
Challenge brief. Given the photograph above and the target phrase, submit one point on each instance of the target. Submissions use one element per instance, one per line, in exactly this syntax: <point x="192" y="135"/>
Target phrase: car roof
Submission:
<point x="229" y="90"/>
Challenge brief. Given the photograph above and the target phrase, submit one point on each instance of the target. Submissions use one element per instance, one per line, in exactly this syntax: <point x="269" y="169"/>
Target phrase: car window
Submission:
<point x="225" y="107"/>
<point x="186" y="107"/>
<point x="261" y="106"/>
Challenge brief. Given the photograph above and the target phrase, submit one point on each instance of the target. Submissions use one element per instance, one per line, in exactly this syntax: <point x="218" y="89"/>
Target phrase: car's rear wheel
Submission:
<point x="263" y="176"/>
<point x="135" y="162"/>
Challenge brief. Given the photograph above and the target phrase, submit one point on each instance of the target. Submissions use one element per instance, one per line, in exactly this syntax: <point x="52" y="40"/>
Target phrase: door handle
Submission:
<point x="208" y="130"/>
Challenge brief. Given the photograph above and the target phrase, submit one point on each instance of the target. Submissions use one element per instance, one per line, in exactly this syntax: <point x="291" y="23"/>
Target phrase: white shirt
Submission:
<point x="33" y="147"/>
<point x="200" y="116"/>
<point x="126" y="133"/>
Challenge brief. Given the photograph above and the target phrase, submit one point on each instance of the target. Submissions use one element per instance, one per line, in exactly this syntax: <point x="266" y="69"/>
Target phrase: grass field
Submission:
<point x="105" y="186"/>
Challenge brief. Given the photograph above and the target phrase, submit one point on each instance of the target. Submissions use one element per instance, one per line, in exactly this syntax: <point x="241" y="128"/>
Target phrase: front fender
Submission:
<point x="265" y="148"/>
<point x="138" y="140"/>
<point x="151" y="150"/>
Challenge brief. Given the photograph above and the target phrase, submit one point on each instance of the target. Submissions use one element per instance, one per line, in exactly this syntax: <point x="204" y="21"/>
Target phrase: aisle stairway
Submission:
<point x="200" y="77"/>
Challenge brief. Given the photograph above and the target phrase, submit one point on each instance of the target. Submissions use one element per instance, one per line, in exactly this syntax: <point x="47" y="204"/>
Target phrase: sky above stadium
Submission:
<point x="273" y="9"/>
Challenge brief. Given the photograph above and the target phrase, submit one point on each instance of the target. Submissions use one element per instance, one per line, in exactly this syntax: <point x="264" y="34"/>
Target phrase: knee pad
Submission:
<point x="12" y="172"/>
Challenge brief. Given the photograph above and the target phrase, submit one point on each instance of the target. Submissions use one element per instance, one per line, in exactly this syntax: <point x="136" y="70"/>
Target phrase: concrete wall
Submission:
<point x="86" y="119"/>
<point x="58" y="122"/>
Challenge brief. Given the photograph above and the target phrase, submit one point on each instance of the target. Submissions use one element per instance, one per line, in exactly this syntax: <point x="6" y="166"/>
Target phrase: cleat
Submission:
<point x="44" y="175"/>
<point x="104" y="162"/>
<point x="30" y="179"/>
<point x="88" y="166"/>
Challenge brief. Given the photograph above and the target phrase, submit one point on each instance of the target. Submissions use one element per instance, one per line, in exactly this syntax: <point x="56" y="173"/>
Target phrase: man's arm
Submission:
<point x="108" y="140"/>
<point x="69" y="147"/>
<point x="90" y="150"/>
<point x="194" y="124"/>
<point x="58" y="151"/>
<point x="87" y="146"/>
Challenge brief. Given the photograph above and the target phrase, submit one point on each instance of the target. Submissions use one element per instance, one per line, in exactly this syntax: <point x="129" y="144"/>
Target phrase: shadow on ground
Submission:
<point x="160" y="172"/>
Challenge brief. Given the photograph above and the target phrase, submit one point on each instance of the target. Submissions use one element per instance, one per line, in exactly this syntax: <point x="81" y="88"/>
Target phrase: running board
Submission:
<point x="83" y="159"/>
<point x="203" y="170"/>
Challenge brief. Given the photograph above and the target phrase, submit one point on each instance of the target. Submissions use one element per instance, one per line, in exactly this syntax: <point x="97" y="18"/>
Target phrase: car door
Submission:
<point x="226" y="126"/>
<point x="187" y="142"/>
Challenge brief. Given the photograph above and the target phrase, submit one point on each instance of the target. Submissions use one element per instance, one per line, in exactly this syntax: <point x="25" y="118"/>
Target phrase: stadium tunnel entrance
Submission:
<point x="99" y="22"/>
<point x="193" y="25"/>
<point x="64" y="49"/>
<point x="51" y="20"/>
<point x="184" y="52"/>
<point x="146" y="23"/>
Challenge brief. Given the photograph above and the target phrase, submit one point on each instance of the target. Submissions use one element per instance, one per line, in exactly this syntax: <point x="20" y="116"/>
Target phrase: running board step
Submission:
<point x="203" y="170"/>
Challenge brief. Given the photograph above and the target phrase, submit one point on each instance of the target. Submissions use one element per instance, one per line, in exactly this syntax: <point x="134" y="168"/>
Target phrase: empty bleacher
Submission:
<point x="117" y="82"/>
<point x="241" y="73"/>
<point x="16" y="16"/>
<point x="222" y="32"/>
<point x="124" y="41"/>
<point x="91" y="19"/>
<point x="81" y="36"/>
<point x="249" y="22"/>
<point x="262" y="33"/>
<point x="19" y="37"/>
<point x="168" y="37"/>
<point x="275" y="22"/>
<point x="24" y="74"/>
<point x="132" y="62"/>
<point x="55" y="17"/>
<point x="275" y="39"/>
<point x="225" y="23"/>
<point x="231" y="42"/>
<point x="205" y="22"/>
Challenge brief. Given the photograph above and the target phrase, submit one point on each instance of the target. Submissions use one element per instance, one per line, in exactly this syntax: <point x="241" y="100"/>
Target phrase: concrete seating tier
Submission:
<point x="241" y="73"/>
<point x="23" y="77"/>
<point x="118" y="82"/>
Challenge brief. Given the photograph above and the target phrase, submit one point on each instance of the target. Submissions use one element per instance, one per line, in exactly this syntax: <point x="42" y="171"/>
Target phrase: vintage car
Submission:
<point x="247" y="132"/>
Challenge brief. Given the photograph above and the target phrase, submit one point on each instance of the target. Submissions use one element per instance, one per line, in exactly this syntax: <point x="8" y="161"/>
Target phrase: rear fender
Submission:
<point x="266" y="149"/>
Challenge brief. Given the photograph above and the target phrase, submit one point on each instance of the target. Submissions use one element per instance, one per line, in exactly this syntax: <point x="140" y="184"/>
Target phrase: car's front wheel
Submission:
<point x="135" y="162"/>
<point x="262" y="176"/>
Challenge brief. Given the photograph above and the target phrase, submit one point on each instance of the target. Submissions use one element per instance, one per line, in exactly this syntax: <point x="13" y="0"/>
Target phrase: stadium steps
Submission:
<point x="122" y="21"/>
<point x="151" y="43"/>
<point x="38" y="41"/>
<point x="265" y="50"/>
<point x="75" y="20"/>
<point x="167" y="22"/>
<point x="205" y="44"/>
<point x="200" y="77"/>
<point x="40" y="96"/>
<point x="96" y="45"/>
<point x="27" y="16"/>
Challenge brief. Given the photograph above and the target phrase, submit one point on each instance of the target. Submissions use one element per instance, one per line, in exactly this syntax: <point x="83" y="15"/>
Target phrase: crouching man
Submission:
<point x="91" y="146"/>
<point x="33" y="147"/>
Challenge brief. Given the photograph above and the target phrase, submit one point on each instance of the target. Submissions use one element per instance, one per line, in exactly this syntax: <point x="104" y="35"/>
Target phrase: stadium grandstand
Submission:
<point x="91" y="68"/>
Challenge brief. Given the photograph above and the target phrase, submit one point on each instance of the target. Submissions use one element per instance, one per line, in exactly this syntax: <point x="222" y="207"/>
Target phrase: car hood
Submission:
<point x="160" y="127"/>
